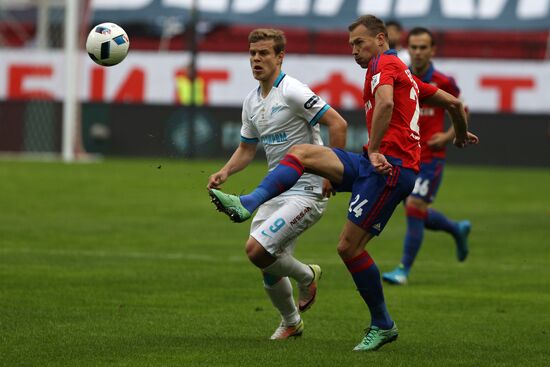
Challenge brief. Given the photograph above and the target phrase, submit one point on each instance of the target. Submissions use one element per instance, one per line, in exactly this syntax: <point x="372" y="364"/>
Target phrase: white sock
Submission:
<point x="288" y="266"/>
<point x="280" y="294"/>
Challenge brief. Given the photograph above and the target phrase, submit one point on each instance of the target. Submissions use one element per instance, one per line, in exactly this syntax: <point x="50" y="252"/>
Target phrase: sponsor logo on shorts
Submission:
<point x="300" y="216"/>
<point x="377" y="226"/>
<point x="309" y="188"/>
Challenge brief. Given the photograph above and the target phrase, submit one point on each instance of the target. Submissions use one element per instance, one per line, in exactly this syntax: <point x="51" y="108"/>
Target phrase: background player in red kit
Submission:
<point x="433" y="139"/>
<point x="379" y="179"/>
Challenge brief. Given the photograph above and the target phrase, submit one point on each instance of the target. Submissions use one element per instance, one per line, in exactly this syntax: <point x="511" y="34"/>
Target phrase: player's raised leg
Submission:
<point x="301" y="158"/>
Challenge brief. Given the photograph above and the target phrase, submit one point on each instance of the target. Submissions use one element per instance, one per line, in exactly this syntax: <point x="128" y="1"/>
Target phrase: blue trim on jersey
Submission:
<point x="319" y="114"/>
<point x="375" y="64"/>
<point x="249" y="140"/>
<point x="427" y="77"/>
<point x="279" y="79"/>
<point x="376" y="59"/>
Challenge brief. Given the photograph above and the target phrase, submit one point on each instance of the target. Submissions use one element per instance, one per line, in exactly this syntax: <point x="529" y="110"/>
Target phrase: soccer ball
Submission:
<point x="107" y="44"/>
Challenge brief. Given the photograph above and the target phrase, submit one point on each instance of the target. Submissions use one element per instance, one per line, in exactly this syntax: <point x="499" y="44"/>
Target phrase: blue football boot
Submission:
<point x="398" y="276"/>
<point x="464" y="228"/>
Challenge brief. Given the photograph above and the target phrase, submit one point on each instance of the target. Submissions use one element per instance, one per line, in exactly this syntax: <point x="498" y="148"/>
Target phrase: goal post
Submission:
<point x="70" y="99"/>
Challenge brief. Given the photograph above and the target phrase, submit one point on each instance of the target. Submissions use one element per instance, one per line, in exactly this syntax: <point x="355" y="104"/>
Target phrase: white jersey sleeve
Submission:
<point x="304" y="103"/>
<point x="249" y="133"/>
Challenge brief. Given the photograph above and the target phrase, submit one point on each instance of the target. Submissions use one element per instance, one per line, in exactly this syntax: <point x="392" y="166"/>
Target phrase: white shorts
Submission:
<point x="282" y="219"/>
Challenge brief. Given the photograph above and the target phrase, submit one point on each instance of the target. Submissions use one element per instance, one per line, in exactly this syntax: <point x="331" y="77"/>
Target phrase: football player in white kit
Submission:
<point x="280" y="113"/>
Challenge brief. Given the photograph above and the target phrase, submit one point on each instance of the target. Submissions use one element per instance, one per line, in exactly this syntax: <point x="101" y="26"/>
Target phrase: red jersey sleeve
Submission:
<point x="386" y="74"/>
<point x="425" y="90"/>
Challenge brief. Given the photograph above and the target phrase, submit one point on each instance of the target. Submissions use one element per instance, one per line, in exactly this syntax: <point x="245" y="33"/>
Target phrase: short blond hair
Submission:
<point x="262" y="34"/>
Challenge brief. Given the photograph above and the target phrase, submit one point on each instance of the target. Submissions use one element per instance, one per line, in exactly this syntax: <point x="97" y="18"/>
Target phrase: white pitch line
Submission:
<point x="147" y="255"/>
<point x="129" y="254"/>
<point x="174" y="256"/>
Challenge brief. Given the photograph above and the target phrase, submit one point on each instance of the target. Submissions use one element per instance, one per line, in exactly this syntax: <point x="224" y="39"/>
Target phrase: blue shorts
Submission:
<point x="373" y="196"/>
<point x="428" y="180"/>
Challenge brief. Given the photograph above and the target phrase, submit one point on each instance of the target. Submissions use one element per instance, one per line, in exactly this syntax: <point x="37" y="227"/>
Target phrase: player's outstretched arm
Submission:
<point x="438" y="140"/>
<point x="455" y="108"/>
<point x="337" y="130"/>
<point x="243" y="155"/>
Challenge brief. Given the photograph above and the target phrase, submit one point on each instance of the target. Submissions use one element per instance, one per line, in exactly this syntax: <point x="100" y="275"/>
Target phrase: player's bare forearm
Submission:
<point x="455" y="108"/>
<point x="337" y="128"/>
<point x="337" y="137"/>
<point x="380" y="122"/>
<point x="459" y="119"/>
<point x="381" y="117"/>
<point x="241" y="158"/>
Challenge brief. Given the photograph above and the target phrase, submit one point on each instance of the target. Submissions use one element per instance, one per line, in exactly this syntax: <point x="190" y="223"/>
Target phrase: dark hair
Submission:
<point x="417" y="31"/>
<point x="394" y="23"/>
<point x="373" y="24"/>
<point x="262" y="34"/>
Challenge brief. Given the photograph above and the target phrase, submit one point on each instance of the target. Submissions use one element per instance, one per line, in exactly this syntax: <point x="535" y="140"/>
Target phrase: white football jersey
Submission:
<point x="286" y="117"/>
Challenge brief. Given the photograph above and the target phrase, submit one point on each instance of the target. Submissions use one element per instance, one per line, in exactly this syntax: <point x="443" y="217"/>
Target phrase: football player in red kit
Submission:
<point x="433" y="139"/>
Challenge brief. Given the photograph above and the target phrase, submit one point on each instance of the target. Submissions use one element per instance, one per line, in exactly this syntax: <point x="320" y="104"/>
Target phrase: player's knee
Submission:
<point x="299" y="151"/>
<point x="416" y="203"/>
<point x="257" y="254"/>
<point x="416" y="211"/>
<point x="251" y="249"/>
<point x="345" y="250"/>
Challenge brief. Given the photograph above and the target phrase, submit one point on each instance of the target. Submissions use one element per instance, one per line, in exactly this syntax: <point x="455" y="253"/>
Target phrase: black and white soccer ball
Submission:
<point x="107" y="44"/>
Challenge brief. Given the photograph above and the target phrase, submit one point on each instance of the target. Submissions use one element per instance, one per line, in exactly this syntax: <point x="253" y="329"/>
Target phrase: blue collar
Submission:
<point x="279" y="79"/>
<point x="373" y="63"/>
<point x="275" y="84"/>
<point x="428" y="75"/>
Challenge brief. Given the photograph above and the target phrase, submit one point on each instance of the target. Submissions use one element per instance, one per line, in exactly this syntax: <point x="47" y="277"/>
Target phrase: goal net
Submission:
<point x="40" y="42"/>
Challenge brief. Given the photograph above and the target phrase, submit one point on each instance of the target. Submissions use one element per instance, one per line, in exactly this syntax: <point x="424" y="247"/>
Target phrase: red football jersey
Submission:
<point x="432" y="119"/>
<point x="401" y="139"/>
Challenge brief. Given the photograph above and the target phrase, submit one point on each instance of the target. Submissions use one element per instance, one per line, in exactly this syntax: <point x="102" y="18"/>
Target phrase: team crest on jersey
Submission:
<point x="375" y="81"/>
<point x="276" y="109"/>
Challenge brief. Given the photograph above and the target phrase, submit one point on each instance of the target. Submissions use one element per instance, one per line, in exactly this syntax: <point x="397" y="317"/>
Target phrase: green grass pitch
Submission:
<point x="126" y="263"/>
